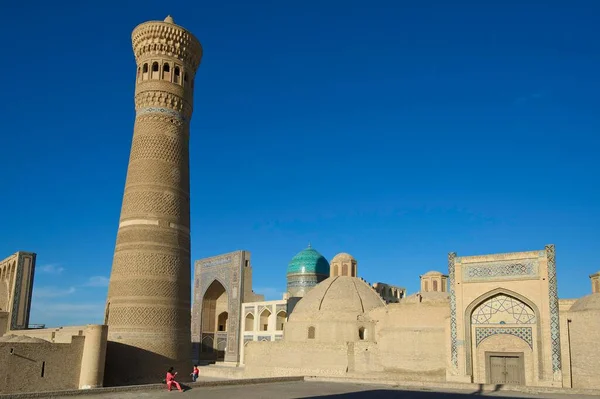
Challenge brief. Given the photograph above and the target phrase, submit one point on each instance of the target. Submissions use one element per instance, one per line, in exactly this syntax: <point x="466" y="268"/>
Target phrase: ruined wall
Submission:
<point x="34" y="365"/>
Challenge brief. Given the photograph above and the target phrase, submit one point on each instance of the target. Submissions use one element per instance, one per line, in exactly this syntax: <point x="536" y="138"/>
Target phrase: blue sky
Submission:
<point x="396" y="131"/>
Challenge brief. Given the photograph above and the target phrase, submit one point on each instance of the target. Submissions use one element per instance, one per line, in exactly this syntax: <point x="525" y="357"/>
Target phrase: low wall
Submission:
<point x="53" y="359"/>
<point x="28" y="364"/>
<point x="281" y="358"/>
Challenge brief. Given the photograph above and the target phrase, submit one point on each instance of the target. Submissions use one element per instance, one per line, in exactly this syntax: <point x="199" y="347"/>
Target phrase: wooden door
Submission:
<point x="506" y="370"/>
<point x="497" y="366"/>
<point x="514" y="370"/>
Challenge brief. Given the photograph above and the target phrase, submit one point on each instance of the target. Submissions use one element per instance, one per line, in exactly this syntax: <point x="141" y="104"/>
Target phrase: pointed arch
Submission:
<point x="207" y="344"/>
<point x="480" y="300"/>
<point x="214" y="299"/>
<point x="249" y="322"/>
<point x="264" y="319"/>
<point x="281" y="317"/>
<point x="222" y="321"/>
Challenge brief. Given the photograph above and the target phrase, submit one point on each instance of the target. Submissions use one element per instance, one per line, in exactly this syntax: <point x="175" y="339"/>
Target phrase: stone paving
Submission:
<point x="323" y="390"/>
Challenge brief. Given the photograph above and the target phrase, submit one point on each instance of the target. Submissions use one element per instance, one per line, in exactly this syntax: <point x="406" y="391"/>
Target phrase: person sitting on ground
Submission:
<point x="195" y="373"/>
<point x="171" y="380"/>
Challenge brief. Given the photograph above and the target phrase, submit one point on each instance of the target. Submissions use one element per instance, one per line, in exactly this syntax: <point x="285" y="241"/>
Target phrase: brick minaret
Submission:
<point x="148" y="304"/>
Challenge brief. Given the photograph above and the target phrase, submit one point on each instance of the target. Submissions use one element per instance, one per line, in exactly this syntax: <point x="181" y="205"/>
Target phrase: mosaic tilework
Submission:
<point x="525" y="333"/>
<point x="503" y="309"/>
<point x="453" y="334"/>
<point x="308" y="261"/>
<point x="278" y="337"/>
<point x="264" y="337"/>
<point x="163" y="111"/>
<point x="14" y="325"/>
<point x="554" y="321"/>
<point x="308" y="281"/>
<point x="499" y="270"/>
<point x="248" y="338"/>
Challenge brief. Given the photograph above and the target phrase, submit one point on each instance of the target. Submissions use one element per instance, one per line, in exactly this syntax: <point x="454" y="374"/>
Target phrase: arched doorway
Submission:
<point x="501" y="343"/>
<point x="215" y="314"/>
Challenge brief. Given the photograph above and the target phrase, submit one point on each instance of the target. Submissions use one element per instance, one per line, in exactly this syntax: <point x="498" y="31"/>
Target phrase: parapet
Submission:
<point x="155" y="38"/>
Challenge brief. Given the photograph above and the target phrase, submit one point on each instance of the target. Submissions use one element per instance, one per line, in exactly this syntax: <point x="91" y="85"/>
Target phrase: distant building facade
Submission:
<point x="262" y="321"/>
<point x="389" y="293"/>
<point x="16" y="284"/>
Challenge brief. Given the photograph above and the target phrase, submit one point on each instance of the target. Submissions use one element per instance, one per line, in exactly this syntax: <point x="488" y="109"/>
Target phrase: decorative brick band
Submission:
<point x="162" y="111"/>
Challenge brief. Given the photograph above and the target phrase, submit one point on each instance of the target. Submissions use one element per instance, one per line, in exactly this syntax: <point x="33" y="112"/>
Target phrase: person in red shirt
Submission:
<point x="171" y="380"/>
<point x="195" y="373"/>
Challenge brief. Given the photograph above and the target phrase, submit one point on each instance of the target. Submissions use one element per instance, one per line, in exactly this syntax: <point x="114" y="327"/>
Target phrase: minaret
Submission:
<point x="148" y="305"/>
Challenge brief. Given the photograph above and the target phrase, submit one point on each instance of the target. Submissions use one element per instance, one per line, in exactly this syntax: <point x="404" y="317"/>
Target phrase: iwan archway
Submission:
<point x="215" y="317"/>
<point x="502" y="338"/>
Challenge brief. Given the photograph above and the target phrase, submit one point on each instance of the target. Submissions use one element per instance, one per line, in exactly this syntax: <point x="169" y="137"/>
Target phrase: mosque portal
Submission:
<point x="215" y="315"/>
<point x="221" y="284"/>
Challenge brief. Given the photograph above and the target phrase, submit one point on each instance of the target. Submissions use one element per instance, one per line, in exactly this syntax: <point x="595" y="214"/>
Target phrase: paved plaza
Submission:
<point x="324" y="390"/>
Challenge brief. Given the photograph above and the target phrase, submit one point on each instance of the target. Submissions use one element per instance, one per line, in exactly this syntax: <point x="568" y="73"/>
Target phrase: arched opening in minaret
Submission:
<point x="154" y="70"/>
<point x="166" y="72"/>
<point x="176" y="75"/>
<point x="145" y="72"/>
<point x="185" y="78"/>
<point x="215" y="315"/>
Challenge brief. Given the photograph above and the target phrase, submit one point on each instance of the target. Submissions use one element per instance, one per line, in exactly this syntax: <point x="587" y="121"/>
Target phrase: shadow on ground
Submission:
<point x="402" y="394"/>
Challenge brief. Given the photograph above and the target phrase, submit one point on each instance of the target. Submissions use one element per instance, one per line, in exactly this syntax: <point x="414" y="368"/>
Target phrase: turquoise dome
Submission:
<point x="308" y="261"/>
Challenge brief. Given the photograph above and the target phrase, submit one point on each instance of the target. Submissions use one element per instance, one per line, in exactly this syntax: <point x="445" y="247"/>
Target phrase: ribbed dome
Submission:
<point x="588" y="302"/>
<point x="308" y="261"/>
<point x="337" y="298"/>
